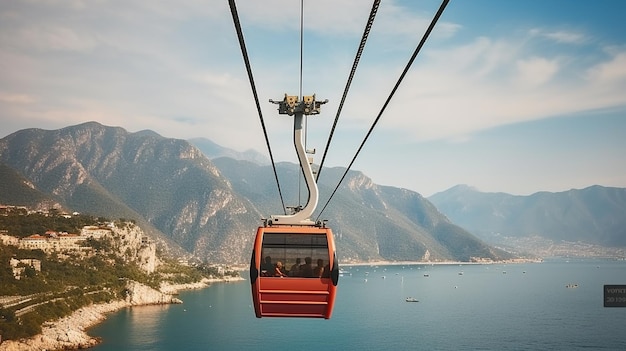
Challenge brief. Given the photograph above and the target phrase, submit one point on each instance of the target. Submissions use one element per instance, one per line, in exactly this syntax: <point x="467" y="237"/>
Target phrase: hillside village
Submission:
<point x="54" y="273"/>
<point x="127" y="239"/>
<point x="58" y="241"/>
<point x="65" y="243"/>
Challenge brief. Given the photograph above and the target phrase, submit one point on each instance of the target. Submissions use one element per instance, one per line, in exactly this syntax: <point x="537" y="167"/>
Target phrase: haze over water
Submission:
<point x="486" y="307"/>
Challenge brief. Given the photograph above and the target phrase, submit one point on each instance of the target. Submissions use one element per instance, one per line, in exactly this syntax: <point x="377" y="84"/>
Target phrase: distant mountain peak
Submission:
<point x="464" y="188"/>
<point x="212" y="150"/>
<point x="359" y="180"/>
<point x="593" y="215"/>
<point x="457" y="190"/>
<point x="148" y="133"/>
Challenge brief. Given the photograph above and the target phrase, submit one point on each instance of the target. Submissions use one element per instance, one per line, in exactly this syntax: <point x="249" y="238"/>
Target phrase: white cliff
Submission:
<point x="133" y="245"/>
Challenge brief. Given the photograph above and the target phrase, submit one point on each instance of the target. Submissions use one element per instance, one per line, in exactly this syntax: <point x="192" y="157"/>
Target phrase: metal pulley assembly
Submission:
<point x="291" y="105"/>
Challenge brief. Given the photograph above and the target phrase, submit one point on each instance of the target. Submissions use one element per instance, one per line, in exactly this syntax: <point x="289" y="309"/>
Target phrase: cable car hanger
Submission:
<point x="298" y="109"/>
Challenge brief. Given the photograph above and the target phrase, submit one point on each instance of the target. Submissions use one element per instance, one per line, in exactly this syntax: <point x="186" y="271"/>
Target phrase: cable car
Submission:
<point x="293" y="269"/>
<point x="276" y="290"/>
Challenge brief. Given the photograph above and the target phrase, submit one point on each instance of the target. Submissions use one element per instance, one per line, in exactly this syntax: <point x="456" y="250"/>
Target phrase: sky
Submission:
<point x="505" y="96"/>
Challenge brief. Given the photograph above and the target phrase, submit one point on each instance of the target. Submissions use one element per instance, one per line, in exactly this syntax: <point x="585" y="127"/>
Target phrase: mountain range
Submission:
<point x="594" y="215"/>
<point x="211" y="208"/>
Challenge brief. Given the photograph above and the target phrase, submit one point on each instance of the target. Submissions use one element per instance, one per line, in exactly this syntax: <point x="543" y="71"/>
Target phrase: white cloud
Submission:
<point x="182" y="61"/>
<point x="566" y="37"/>
<point x="606" y="82"/>
<point x="560" y="36"/>
<point x="536" y="71"/>
<point x="176" y="68"/>
<point x="456" y="91"/>
<point x="612" y="71"/>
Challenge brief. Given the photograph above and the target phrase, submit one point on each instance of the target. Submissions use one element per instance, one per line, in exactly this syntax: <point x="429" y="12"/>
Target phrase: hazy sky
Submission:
<point x="507" y="96"/>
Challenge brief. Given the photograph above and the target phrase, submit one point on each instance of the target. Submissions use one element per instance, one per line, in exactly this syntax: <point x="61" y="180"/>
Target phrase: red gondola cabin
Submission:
<point x="294" y="271"/>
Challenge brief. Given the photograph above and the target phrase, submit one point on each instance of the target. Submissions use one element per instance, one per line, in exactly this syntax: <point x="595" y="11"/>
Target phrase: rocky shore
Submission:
<point x="69" y="333"/>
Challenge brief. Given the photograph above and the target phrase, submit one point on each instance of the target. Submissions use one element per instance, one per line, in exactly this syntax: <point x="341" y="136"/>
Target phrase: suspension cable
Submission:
<point x="244" y="53"/>
<point x="301" y="42"/>
<point x="300" y="92"/>
<point x="393" y="91"/>
<point x="366" y="32"/>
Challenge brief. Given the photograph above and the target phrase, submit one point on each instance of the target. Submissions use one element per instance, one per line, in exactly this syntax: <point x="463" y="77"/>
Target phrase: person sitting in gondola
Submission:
<point x="267" y="267"/>
<point x="295" y="269"/>
<point x="278" y="270"/>
<point x="306" y="270"/>
<point x="319" y="270"/>
<point x="326" y="273"/>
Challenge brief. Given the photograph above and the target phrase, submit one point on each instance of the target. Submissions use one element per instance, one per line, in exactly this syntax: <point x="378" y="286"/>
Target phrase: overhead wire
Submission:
<point x="357" y="58"/>
<point x="300" y="91"/>
<point x="244" y="52"/>
<point x="393" y="91"/>
<point x="301" y="42"/>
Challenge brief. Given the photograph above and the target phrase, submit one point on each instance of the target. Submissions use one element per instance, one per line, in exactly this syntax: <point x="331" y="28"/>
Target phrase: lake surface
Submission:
<point x="461" y="307"/>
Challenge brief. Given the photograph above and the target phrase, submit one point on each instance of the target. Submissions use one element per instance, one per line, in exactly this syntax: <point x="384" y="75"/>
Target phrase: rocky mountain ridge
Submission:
<point x="212" y="208"/>
<point x="593" y="215"/>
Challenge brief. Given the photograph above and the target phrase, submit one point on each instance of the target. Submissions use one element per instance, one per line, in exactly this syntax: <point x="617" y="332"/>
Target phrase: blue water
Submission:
<point x="526" y="308"/>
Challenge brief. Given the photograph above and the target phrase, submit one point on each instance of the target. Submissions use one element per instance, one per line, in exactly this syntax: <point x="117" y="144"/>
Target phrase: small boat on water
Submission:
<point x="411" y="299"/>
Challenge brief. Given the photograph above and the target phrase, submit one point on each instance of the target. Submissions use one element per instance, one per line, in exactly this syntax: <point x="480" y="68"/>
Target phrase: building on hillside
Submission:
<point x="95" y="232"/>
<point x="34" y="242"/>
<point x="5" y="210"/>
<point x="52" y="241"/>
<point x="19" y="266"/>
<point x="55" y="241"/>
<point x="65" y="241"/>
<point x="6" y="239"/>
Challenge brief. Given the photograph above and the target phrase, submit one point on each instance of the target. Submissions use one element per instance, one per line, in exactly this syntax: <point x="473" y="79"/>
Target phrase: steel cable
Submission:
<point x="357" y="58"/>
<point x="393" y="91"/>
<point x="244" y="53"/>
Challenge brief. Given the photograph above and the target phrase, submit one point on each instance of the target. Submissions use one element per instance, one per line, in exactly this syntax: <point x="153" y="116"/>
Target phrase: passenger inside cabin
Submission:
<point x="319" y="270"/>
<point x="306" y="270"/>
<point x="326" y="273"/>
<point x="278" y="270"/>
<point x="267" y="267"/>
<point x="295" y="269"/>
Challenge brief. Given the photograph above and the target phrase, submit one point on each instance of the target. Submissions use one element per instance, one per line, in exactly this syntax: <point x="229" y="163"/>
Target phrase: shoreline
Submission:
<point x="442" y="263"/>
<point x="71" y="332"/>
